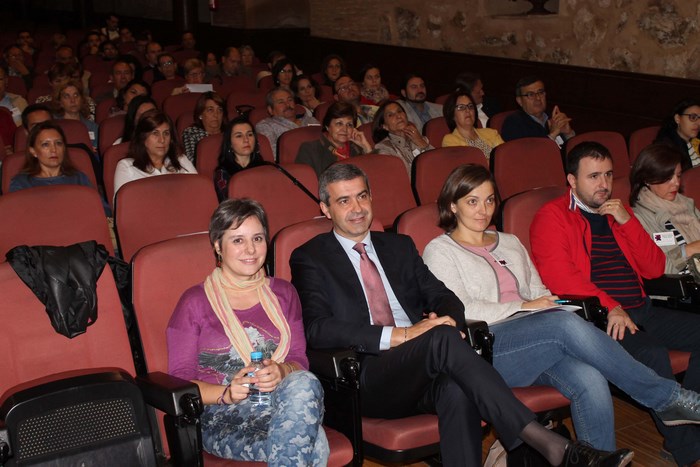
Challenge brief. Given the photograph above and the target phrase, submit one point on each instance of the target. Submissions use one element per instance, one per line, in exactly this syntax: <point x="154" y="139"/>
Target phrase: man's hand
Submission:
<point x="401" y="335"/>
<point x="618" y="322"/>
<point x="559" y="123"/>
<point x="615" y="208"/>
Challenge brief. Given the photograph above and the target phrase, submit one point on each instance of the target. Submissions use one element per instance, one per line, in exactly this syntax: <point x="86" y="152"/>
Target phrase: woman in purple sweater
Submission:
<point x="215" y="327"/>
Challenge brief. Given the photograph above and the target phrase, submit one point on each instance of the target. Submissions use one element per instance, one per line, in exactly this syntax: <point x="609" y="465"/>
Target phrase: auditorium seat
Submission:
<point x="110" y="159"/>
<point x="110" y="130"/>
<point x="53" y="215"/>
<point x="208" y="150"/>
<point x="174" y="106"/>
<point x="421" y="224"/>
<point x="241" y="99"/>
<point x="236" y="83"/>
<point x="102" y="109"/>
<point x="435" y="129"/>
<point x="691" y="184"/>
<point x="161" y="90"/>
<point x="158" y="208"/>
<point x="431" y="168"/>
<point x="289" y="142"/>
<point x="76" y="132"/>
<point x="641" y="138"/>
<point x="389" y="184"/>
<point x="496" y="120"/>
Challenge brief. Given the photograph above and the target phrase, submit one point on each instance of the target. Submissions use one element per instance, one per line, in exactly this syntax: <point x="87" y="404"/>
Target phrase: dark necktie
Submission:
<point x="376" y="295"/>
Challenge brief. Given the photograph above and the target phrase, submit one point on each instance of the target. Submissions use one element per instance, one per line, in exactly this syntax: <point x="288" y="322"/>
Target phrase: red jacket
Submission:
<point x="560" y="240"/>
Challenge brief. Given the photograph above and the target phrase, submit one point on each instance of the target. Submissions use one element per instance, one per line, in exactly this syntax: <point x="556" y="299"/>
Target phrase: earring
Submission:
<point x="218" y="258"/>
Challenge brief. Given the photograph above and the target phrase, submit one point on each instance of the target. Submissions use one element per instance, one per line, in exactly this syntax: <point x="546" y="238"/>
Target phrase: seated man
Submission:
<point x="33" y="114"/>
<point x="167" y="66"/>
<point x="282" y="110"/>
<point x="372" y="292"/>
<point x="13" y="62"/>
<point x="122" y="73"/>
<point x="588" y="243"/>
<point x="188" y="41"/>
<point x="12" y="102"/>
<point x="532" y="119"/>
<point x="347" y="90"/>
<point x="471" y="82"/>
<point x="231" y="63"/>
<point x="418" y="110"/>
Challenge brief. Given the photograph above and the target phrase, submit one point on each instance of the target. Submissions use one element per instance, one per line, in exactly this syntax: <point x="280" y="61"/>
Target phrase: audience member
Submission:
<point x="339" y="140"/>
<point x="332" y="68"/>
<point x="230" y="63"/>
<point x="588" y="243"/>
<point x="167" y="66"/>
<point x="471" y="82"/>
<point x="194" y="74"/>
<point x="138" y="106"/>
<point x="461" y="116"/>
<point x="212" y="332"/>
<point x="133" y="88"/>
<point x="64" y="54"/>
<point x="45" y="161"/>
<point x="272" y="58"/>
<point x="153" y="50"/>
<point x="209" y="119"/>
<point x="70" y="103"/>
<point x="396" y="136"/>
<point x="111" y="27"/>
<point x="25" y="42"/>
<point x="188" y="41"/>
<point x="680" y="129"/>
<point x="307" y="92"/>
<point x="13" y="63"/>
<point x="91" y="44"/>
<point x="108" y="50"/>
<point x="554" y="347"/>
<point x="33" y="114"/>
<point x="283" y="73"/>
<point x="532" y="119"/>
<point x="282" y="110"/>
<point x="7" y="133"/>
<point x="346" y="90"/>
<point x="212" y="71"/>
<point x="153" y="150"/>
<point x="670" y="218"/>
<point x="372" y="91"/>
<point x="247" y="59"/>
<point x="12" y="102"/>
<point x="239" y="151"/>
<point x="414" y="102"/>
<point x="372" y="292"/>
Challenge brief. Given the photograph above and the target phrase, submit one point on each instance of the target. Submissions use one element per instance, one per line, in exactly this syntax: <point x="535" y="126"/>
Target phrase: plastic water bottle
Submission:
<point x="256" y="397"/>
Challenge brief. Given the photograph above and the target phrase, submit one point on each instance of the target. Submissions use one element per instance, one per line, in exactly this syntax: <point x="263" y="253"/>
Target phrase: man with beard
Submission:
<point x="282" y="110"/>
<point x="417" y="109"/>
<point x="589" y="243"/>
<point x="346" y="90"/>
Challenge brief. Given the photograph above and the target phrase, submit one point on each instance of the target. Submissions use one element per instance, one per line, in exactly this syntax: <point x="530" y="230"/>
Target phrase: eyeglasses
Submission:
<point x="532" y="95"/>
<point x="168" y="63"/>
<point x="346" y="87"/>
<point x="692" y="117"/>
<point x="464" y="107"/>
<point x="286" y="70"/>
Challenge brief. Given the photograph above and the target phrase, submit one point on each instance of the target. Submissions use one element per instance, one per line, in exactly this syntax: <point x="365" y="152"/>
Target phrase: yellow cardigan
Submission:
<point x="489" y="135"/>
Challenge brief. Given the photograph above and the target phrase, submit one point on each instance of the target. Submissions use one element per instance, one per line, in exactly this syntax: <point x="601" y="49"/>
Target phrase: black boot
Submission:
<point x="581" y="454"/>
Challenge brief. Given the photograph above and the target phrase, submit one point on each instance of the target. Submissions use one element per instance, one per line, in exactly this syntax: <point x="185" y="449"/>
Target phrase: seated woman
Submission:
<point x="193" y="71"/>
<point x="45" y="161"/>
<point x="70" y="103"/>
<point x="283" y="73"/>
<point x="396" y="135"/>
<point x="680" y="129"/>
<point x="332" y="67"/>
<point x="212" y="332"/>
<point x="491" y="272"/>
<point x="460" y="112"/>
<point x="340" y="139"/>
<point x="153" y="151"/>
<point x="138" y="106"/>
<point x="306" y="92"/>
<point x="209" y="119"/>
<point x="239" y="151"/>
<point x="665" y="213"/>
<point x="133" y="88"/>
<point x="372" y="91"/>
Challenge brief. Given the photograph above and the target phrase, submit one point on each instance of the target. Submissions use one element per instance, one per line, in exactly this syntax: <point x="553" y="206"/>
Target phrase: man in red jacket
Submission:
<point x="588" y="243"/>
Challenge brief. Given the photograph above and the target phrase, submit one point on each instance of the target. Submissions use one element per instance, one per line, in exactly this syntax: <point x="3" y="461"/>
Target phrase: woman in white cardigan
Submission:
<point x="491" y="272"/>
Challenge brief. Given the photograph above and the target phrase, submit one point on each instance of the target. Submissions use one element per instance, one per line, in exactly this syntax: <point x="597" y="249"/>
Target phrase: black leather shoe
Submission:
<point x="581" y="454"/>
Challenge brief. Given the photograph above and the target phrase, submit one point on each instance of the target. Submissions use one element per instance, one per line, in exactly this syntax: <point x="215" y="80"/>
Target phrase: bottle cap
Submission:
<point x="256" y="355"/>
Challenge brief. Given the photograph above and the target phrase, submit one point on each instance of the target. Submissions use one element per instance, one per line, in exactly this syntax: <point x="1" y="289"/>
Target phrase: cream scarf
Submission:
<point x="216" y="287"/>
<point x="682" y="219"/>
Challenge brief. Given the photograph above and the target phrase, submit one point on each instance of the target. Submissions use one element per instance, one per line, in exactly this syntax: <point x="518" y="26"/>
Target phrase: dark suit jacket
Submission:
<point x="333" y="304"/>
<point x="521" y="125"/>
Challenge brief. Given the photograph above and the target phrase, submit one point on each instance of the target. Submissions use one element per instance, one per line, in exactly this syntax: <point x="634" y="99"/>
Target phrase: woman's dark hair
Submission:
<point x="378" y="130"/>
<point x="137" y="147"/>
<point x="295" y="86"/>
<point x="449" y="107"/>
<point x="326" y="60"/>
<point x="655" y="164"/>
<point x="130" y="119"/>
<point x="31" y="164"/>
<point x="227" y="159"/>
<point x="278" y="67"/>
<point x="231" y="213"/>
<point x="337" y="110"/>
<point x="461" y="181"/>
<point x="202" y="104"/>
<point x="134" y="82"/>
<point x="364" y="70"/>
<point x="669" y="125"/>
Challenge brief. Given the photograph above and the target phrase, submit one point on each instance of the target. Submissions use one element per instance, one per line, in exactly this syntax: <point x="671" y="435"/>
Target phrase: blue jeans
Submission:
<point x="560" y="349"/>
<point x="286" y="433"/>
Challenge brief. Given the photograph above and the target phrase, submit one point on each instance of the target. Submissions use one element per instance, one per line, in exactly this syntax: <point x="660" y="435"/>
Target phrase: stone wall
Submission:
<point x="645" y="36"/>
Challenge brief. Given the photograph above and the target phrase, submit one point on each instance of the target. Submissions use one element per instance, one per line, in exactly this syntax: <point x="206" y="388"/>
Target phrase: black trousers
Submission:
<point x="662" y="329"/>
<point x="438" y="372"/>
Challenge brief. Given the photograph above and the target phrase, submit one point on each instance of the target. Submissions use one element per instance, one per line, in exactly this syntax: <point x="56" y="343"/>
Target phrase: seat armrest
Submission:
<point x="679" y="286"/>
<point x="340" y="364"/>
<point x="172" y="395"/>
<point x="480" y="338"/>
<point x="5" y="448"/>
<point x="591" y="309"/>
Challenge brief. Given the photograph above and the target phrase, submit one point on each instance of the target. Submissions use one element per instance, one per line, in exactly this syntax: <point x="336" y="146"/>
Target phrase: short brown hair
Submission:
<point x="461" y="181"/>
<point x="231" y="213"/>
<point x="656" y="164"/>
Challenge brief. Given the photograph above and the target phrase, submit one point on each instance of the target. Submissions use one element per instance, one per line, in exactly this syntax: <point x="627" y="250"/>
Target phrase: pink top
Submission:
<point x="507" y="287"/>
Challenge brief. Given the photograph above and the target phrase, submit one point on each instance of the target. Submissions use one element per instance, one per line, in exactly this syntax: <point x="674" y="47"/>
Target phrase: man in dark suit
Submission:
<point x="372" y="292"/>
<point x="532" y="119"/>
